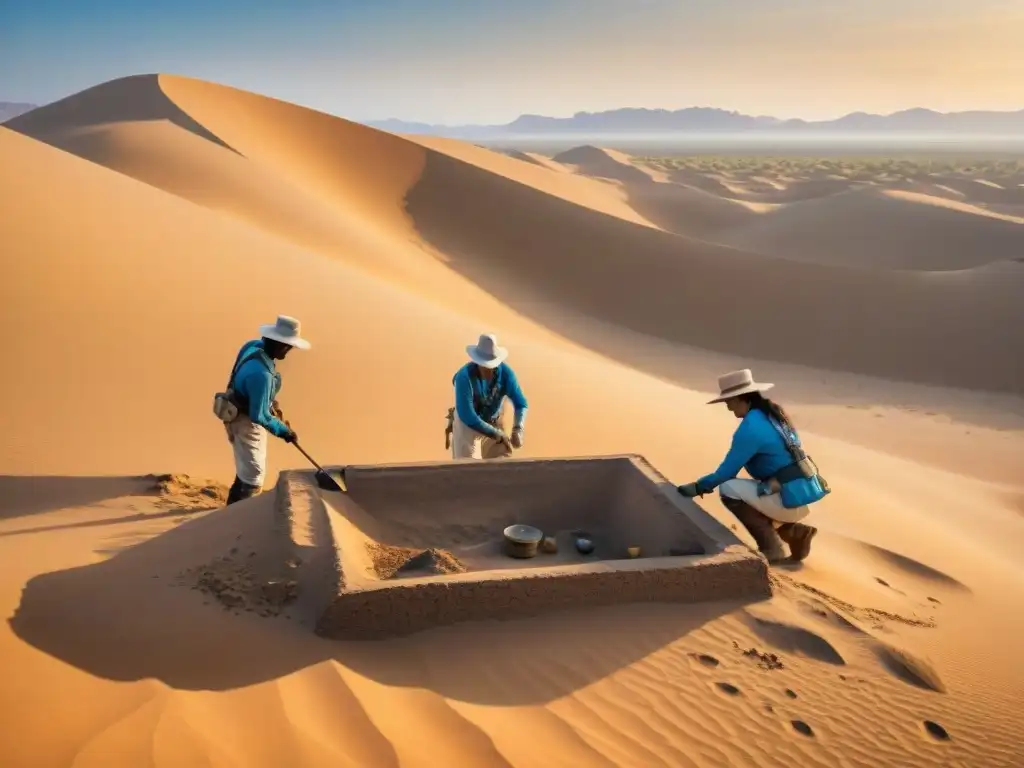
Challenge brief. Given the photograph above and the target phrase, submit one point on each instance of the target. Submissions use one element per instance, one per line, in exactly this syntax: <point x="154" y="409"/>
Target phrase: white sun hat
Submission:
<point x="486" y="351"/>
<point x="287" y="330"/>
<point x="738" y="383"/>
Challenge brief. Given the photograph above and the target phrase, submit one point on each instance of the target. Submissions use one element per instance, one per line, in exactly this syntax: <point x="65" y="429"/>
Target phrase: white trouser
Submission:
<point x="770" y="506"/>
<point x="467" y="443"/>
<point x="249" y="442"/>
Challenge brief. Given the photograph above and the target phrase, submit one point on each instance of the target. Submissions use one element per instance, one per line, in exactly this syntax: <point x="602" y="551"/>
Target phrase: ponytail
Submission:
<point x="769" y="408"/>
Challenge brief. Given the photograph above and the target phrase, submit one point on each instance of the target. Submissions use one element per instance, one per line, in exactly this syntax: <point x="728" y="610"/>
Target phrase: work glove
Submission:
<point x="689" y="490"/>
<point x="291" y="436"/>
<point x="517" y="437"/>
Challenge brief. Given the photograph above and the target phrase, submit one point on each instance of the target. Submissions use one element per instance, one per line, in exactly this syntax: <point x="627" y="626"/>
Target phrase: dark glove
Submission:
<point x="291" y="436"/>
<point x="689" y="490"/>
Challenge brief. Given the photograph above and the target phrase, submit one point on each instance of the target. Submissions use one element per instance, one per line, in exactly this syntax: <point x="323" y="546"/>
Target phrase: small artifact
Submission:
<point x="522" y="540"/>
<point x="584" y="546"/>
<point x="633" y="551"/>
<point x="549" y="545"/>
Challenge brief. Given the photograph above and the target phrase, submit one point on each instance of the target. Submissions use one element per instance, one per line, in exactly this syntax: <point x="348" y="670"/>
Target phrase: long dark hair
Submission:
<point x="768" y="408"/>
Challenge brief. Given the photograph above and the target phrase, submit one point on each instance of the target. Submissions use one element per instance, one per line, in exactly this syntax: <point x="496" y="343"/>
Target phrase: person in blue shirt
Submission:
<point x="758" y="447"/>
<point x="476" y="422"/>
<point x="255" y="384"/>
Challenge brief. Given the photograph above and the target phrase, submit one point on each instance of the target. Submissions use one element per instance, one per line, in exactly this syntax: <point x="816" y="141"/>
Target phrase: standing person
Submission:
<point x="476" y="422"/>
<point x="785" y="481"/>
<point x="253" y="388"/>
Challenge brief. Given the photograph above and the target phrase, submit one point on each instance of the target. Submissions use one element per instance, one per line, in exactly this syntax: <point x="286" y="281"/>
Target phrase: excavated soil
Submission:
<point x="390" y="562"/>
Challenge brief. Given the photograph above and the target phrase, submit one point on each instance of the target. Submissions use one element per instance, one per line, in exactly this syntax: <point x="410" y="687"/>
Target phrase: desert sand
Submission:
<point x="150" y="224"/>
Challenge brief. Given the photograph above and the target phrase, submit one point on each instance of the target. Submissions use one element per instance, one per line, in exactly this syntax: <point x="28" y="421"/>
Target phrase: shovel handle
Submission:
<point x="311" y="460"/>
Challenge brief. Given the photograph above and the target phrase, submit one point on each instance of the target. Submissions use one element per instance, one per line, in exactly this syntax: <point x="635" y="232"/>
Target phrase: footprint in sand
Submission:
<point x="935" y="730"/>
<point x="728" y="688"/>
<point x="908" y="667"/>
<point x="705" y="659"/>
<point x="795" y="639"/>
<point x="934" y="600"/>
<point x="801" y="727"/>
<point x="791" y="693"/>
<point x="915" y="569"/>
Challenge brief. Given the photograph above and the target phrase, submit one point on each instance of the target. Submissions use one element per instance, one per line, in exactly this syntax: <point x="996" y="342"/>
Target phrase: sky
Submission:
<point x="488" y="61"/>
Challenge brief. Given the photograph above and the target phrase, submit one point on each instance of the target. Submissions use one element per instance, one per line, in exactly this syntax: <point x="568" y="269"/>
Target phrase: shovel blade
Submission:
<point x="328" y="483"/>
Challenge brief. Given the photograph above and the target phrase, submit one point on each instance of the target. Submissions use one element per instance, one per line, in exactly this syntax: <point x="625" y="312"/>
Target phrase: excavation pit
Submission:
<point x="422" y="545"/>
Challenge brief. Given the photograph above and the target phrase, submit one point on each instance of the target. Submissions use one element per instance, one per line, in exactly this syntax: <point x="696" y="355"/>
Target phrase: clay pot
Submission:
<point x="521" y="541"/>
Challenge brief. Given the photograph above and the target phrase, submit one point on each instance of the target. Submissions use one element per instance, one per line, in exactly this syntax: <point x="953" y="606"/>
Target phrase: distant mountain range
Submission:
<point x="696" y="120"/>
<point x="11" y="109"/>
<point x="711" y="120"/>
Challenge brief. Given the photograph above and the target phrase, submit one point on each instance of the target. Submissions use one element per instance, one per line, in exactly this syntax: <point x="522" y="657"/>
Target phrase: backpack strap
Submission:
<point x="794" y="450"/>
<point x="257" y="353"/>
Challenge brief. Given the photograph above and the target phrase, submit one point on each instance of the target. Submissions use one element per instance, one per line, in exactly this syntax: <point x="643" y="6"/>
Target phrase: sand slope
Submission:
<point x="151" y="224"/>
<point x="885" y="230"/>
<point x="554" y="227"/>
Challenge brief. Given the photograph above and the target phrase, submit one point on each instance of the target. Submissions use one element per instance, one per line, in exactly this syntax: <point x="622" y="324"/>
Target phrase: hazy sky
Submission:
<point x="455" y="61"/>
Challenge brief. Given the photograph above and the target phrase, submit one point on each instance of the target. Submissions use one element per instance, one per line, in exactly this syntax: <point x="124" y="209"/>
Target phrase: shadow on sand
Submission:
<point x="24" y="495"/>
<point x="125" y="619"/>
<point x="564" y="265"/>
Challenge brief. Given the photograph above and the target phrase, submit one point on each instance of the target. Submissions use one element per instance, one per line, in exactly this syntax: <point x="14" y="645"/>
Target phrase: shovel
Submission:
<point x="325" y="481"/>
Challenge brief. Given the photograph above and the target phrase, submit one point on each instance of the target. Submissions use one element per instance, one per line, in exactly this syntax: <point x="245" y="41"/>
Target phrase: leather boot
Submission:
<point x="798" y="536"/>
<point x="233" y="491"/>
<point x="240" y="491"/>
<point x="760" y="528"/>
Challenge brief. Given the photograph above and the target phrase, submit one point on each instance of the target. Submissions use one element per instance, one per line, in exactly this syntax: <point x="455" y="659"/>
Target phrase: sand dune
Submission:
<point x="534" y="219"/>
<point x="683" y="286"/>
<point x="149" y="225"/>
<point x="885" y="230"/>
<point x="836" y="221"/>
<point x="678" y="208"/>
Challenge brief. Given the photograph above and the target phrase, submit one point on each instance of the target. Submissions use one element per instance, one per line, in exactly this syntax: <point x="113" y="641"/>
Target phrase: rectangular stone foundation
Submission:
<point x="621" y="499"/>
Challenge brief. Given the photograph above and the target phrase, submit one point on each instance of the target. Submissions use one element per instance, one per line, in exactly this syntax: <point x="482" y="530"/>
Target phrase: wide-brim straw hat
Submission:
<point x="287" y="330"/>
<point x="737" y="383"/>
<point x="486" y="352"/>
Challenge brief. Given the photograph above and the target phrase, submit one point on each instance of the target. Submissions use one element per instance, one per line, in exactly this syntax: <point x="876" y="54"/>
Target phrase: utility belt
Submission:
<point x="803" y="468"/>
<point x="228" y="404"/>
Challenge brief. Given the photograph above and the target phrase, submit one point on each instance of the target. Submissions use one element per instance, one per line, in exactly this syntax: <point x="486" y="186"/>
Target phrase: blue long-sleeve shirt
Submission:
<point x="258" y="383"/>
<point x="507" y="386"/>
<point x="756" y="447"/>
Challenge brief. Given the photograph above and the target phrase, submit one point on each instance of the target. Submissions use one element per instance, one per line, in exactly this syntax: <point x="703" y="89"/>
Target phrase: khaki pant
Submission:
<point x="249" y="442"/>
<point x="745" y="490"/>
<point x="467" y="443"/>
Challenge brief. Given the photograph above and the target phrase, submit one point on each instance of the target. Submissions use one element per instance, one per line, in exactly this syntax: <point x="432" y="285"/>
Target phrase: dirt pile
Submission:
<point x="184" y="491"/>
<point x="389" y="561"/>
<point x="237" y="586"/>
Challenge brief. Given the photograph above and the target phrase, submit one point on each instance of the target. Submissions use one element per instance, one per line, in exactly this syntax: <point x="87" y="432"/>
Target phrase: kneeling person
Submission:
<point x="481" y="386"/>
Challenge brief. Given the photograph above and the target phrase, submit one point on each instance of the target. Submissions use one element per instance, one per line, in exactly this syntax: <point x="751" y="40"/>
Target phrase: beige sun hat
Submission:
<point x="287" y="330"/>
<point x="738" y="383"/>
<point x="486" y="351"/>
